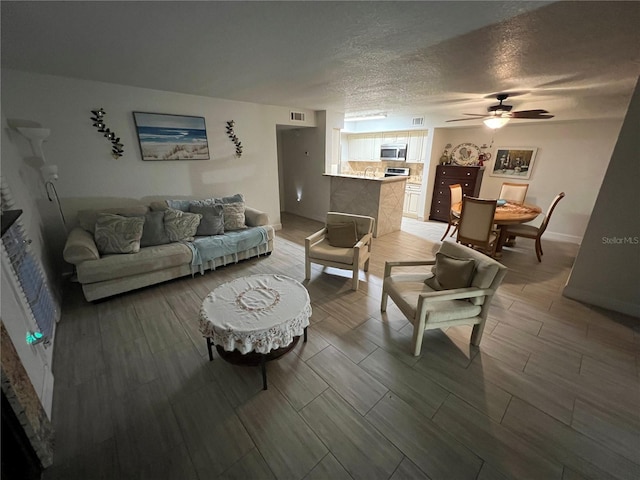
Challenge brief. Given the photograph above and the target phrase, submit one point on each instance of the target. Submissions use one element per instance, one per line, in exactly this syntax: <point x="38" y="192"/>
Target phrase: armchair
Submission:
<point x="458" y="291"/>
<point x="349" y="253"/>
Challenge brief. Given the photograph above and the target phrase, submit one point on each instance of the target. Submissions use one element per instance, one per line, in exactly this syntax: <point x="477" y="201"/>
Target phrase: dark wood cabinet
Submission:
<point x="469" y="177"/>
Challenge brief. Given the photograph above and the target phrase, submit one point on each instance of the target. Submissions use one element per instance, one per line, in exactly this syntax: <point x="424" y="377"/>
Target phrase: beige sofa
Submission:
<point x="104" y="275"/>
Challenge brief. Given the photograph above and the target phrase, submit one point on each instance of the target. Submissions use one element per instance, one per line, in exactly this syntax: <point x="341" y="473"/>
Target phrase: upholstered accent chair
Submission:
<point x="475" y="228"/>
<point x="457" y="291"/>
<point x="514" y="192"/>
<point x="529" y="231"/>
<point x="344" y="242"/>
<point x="456" y="197"/>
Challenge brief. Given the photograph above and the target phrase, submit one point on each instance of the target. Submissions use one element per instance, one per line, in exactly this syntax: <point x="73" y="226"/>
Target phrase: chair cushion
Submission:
<point x="181" y="225"/>
<point x="324" y="251"/>
<point x="451" y="272"/>
<point x="212" y="222"/>
<point x="87" y="218"/>
<point x="404" y="289"/>
<point x="342" y="234"/>
<point x="118" y="234"/>
<point x="153" y="232"/>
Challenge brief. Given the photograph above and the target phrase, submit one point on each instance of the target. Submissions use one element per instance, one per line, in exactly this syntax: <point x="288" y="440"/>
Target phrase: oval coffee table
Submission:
<point x="255" y="319"/>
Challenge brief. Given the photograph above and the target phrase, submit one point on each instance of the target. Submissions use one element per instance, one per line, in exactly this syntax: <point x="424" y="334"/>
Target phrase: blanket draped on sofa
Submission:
<point x="207" y="249"/>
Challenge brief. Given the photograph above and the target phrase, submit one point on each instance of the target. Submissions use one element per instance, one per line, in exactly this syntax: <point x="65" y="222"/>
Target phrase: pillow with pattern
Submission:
<point x="181" y="225"/>
<point x="118" y="234"/>
<point x="234" y="216"/>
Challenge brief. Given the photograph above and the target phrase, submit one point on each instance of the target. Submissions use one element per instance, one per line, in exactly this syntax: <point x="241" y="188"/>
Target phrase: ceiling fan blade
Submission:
<point x="463" y="119"/>
<point x="531" y="115"/>
<point x="536" y="111"/>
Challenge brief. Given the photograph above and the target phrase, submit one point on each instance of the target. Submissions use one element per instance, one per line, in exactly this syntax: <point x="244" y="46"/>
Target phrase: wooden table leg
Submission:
<point x="305" y="334"/>
<point x="263" y="366"/>
<point x="209" y="345"/>
<point x="502" y="237"/>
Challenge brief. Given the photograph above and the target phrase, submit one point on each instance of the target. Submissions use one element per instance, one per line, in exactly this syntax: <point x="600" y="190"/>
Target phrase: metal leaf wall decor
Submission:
<point x="231" y="134"/>
<point x="98" y="122"/>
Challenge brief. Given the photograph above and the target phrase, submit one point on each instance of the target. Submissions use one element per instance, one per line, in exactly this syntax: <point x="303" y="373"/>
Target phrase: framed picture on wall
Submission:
<point x="513" y="162"/>
<point x="171" y="137"/>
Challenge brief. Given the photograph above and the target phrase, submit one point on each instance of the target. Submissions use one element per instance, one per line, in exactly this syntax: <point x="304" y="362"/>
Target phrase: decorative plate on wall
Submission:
<point x="465" y="154"/>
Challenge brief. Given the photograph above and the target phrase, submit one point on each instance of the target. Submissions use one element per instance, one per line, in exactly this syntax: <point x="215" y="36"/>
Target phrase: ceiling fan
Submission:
<point x="499" y="115"/>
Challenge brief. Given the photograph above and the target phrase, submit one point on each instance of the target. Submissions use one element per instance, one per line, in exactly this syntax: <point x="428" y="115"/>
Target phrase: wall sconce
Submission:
<point x="231" y="134"/>
<point x="98" y="122"/>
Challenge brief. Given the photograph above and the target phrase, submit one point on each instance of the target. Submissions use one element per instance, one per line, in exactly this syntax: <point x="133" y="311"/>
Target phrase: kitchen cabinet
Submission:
<point x="362" y="148"/>
<point x="416" y="147"/>
<point x="411" y="200"/>
<point x="469" y="177"/>
<point x="365" y="147"/>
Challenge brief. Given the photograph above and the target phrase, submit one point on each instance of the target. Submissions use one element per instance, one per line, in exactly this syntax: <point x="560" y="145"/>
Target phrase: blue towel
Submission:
<point x="206" y="249"/>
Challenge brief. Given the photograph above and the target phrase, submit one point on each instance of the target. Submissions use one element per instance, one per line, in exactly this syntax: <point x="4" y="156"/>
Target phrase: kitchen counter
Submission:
<point x="379" y="197"/>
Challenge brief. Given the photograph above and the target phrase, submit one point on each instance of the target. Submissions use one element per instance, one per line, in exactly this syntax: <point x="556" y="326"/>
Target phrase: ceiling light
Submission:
<point x="377" y="116"/>
<point x="496" y="122"/>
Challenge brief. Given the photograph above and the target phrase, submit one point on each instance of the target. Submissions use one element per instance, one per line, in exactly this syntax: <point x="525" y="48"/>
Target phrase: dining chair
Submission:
<point x="530" y="231"/>
<point x="457" y="291"/>
<point x="344" y="242"/>
<point x="456" y="197"/>
<point x="475" y="228"/>
<point x="514" y="192"/>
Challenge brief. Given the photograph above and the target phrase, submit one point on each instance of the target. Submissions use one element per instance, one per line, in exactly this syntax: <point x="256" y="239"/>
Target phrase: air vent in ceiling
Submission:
<point x="417" y="121"/>
<point x="298" y="116"/>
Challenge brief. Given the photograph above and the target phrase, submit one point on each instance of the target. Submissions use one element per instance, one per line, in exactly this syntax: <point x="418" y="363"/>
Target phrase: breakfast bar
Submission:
<point x="379" y="197"/>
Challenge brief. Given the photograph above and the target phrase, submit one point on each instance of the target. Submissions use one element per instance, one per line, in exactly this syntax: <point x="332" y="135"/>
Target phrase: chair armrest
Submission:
<point x="365" y="240"/>
<point x="254" y="217"/>
<point x="454" y="294"/>
<point x="405" y="263"/>
<point x="80" y="247"/>
<point x="315" y="237"/>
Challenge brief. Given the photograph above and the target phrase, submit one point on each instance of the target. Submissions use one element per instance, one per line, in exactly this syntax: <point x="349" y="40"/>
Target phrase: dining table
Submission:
<point x="506" y="214"/>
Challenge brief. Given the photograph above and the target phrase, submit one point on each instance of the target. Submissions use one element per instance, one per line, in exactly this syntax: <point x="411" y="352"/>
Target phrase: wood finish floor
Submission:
<point x="552" y="392"/>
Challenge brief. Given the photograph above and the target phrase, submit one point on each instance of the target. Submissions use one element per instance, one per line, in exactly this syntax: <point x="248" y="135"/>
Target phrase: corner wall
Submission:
<point x="606" y="271"/>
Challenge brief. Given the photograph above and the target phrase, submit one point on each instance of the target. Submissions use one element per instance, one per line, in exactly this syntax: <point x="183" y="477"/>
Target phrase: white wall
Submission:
<point x="571" y="157"/>
<point x="87" y="170"/>
<point x="606" y="271"/>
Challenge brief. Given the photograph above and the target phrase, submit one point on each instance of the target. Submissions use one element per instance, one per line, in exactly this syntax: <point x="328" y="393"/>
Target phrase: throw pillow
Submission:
<point x="182" y="205"/>
<point x="238" y="197"/>
<point x="450" y="272"/>
<point x="181" y="225"/>
<point x="118" y="234"/>
<point x="87" y="218"/>
<point x="342" y="234"/>
<point x="153" y="232"/>
<point x="234" y="216"/>
<point x="212" y="222"/>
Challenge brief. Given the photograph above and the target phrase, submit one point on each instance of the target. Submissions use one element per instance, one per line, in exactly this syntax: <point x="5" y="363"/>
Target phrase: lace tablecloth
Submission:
<point x="257" y="313"/>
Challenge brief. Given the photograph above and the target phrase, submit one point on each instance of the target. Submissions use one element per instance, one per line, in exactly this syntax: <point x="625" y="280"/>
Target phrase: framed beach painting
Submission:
<point x="514" y="162"/>
<point x="171" y="137"/>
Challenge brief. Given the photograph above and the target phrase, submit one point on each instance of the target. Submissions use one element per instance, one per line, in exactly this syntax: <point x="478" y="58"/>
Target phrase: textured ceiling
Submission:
<point x="437" y="59"/>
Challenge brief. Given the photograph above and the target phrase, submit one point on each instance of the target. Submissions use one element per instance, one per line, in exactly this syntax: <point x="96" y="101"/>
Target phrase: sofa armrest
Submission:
<point x="254" y="217"/>
<point x="80" y="247"/>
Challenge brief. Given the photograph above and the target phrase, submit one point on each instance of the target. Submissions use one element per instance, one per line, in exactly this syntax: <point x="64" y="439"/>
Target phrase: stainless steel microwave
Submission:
<point x="393" y="151"/>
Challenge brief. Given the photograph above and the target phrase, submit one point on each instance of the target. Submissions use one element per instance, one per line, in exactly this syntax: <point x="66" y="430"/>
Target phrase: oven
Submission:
<point x="396" y="171"/>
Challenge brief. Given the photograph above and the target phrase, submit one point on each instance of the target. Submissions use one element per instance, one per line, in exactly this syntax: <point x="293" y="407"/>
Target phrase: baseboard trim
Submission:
<point x="562" y="237"/>
<point x="593" y="298"/>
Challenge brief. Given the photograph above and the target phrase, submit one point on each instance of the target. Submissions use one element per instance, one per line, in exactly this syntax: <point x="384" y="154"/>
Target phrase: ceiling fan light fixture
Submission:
<point x="496" y="122"/>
